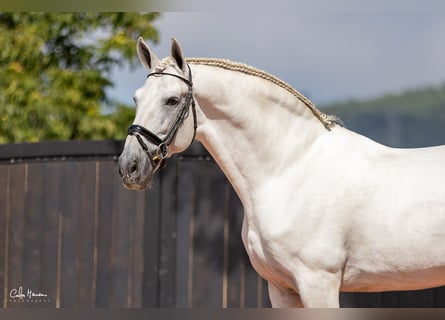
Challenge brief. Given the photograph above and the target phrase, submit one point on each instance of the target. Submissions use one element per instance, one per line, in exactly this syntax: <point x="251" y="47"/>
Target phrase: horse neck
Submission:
<point x="253" y="128"/>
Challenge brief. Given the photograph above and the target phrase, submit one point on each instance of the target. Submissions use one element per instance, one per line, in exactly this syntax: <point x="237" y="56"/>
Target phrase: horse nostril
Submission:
<point x="133" y="167"/>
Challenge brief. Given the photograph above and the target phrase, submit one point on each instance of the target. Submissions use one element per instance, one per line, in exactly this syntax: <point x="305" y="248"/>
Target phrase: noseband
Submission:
<point x="159" y="158"/>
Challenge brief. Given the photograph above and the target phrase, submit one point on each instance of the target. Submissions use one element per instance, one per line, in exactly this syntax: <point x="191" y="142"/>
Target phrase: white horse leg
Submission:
<point x="320" y="289"/>
<point x="283" y="298"/>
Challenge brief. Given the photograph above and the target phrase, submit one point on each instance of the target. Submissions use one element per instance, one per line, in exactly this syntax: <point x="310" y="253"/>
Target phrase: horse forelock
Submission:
<point x="164" y="63"/>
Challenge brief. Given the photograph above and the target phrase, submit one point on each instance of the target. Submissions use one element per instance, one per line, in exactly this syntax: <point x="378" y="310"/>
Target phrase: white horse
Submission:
<point x="325" y="209"/>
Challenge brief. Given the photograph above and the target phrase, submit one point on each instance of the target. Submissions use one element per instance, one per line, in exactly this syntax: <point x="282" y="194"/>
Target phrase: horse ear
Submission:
<point x="146" y="56"/>
<point x="178" y="56"/>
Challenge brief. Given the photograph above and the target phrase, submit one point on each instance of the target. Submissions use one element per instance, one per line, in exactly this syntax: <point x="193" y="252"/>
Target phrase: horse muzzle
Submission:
<point x="136" y="171"/>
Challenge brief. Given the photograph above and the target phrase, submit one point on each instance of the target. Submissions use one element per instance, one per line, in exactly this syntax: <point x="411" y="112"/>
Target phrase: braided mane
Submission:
<point x="163" y="64"/>
<point x="327" y="120"/>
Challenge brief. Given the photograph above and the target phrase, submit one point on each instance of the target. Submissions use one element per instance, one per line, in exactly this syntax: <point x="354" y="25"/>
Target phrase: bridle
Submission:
<point x="162" y="144"/>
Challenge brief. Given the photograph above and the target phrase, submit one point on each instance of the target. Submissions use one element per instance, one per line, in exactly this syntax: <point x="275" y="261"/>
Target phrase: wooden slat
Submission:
<point x="34" y="231"/>
<point x="105" y="258"/>
<point x="17" y="191"/>
<point x="368" y="300"/>
<point x="439" y="297"/>
<point x="235" y="298"/>
<point x="51" y="194"/>
<point x="238" y="260"/>
<point x="123" y="208"/>
<point x="251" y="293"/>
<point x="347" y="299"/>
<point x="226" y="245"/>
<point x="216" y="193"/>
<point x="151" y="243"/>
<point x="84" y="255"/>
<point x="167" y="245"/>
<point x="265" y="301"/>
<point x="4" y="232"/>
<point x="184" y="232"/>
<point x="69" y="208"/>
<point x="136" y="252"/>
<point x="416" y="299"/>
<point x="196" y="276"/>
<point x="388" y="299"/>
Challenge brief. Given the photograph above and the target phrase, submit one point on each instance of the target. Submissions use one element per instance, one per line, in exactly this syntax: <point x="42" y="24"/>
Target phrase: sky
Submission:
<point x="328" y="55"/>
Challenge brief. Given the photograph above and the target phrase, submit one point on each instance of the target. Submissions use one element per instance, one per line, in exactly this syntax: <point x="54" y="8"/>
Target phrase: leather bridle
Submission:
<point x="158" y="159"/>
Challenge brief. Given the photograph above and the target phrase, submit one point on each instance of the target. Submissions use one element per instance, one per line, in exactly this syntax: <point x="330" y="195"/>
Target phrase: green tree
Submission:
<point x="55" y="69"/>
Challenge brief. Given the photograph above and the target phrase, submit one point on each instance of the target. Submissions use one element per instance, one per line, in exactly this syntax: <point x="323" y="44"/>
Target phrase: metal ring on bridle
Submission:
<point x="161" y="152"/>
<point x="159" y="158"/>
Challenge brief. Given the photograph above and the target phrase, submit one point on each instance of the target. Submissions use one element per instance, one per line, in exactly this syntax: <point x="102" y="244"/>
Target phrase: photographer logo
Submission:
<point x="27" y="295"/>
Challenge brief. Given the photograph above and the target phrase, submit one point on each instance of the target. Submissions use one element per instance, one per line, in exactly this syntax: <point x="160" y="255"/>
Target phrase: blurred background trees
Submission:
<point x="55" y="69"/>
<point x="412" y="118"/>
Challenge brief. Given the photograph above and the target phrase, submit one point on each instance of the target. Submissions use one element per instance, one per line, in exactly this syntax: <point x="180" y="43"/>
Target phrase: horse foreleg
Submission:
<point x="283" y="298"/>
<point x="320" y="289"/>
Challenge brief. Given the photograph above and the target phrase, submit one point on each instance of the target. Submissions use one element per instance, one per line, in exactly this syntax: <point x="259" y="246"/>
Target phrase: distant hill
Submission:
<point x="414" y="118"/>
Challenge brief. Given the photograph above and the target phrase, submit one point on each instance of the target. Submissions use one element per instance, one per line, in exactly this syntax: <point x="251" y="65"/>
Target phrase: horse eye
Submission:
<point x="173" y="101"/>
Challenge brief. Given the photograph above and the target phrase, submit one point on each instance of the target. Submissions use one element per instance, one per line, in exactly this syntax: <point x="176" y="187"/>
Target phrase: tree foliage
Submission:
<point x="55" y="69"/>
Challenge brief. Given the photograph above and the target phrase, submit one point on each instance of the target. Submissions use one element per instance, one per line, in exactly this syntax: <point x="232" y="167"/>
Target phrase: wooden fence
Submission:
<point x="72" y="236"/>
<point x="71" y="232"/>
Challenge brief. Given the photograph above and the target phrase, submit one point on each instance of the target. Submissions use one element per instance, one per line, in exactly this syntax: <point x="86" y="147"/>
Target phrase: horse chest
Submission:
<point x="263" y="256"/>
<point x="258" y="255"/>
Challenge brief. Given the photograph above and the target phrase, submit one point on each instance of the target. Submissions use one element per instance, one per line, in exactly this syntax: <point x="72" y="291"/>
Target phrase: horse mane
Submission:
<point x="327" y="120"/>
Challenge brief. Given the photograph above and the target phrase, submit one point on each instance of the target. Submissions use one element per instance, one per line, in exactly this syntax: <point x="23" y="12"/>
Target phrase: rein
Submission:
<point x="159" y="158"/>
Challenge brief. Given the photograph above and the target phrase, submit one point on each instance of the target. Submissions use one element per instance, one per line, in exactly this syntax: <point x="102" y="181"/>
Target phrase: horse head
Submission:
<point x="163" y="125"/>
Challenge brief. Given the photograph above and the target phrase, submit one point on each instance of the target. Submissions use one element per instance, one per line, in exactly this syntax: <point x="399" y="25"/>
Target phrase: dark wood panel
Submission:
<point x="239" y="262"/>
<point x="51" y="189"/>
<point x="34" y="230"/>
<point x="16" y="266"/>
<point x="59" y="149"/>
<point x="136" y="251"/>
<point x="347" y="300"/>
<point x="167" y="245"/>
<point x="84" y="253"/>
<point x="367" y="300"/>
<point x="69" y="208"/>
<point x="185" y="231"/>
<point x="105" y="258"/>
<point x="151" y="246"/>
<point x="123" y="207"/>
<point x="439" y="297"/>
<point x="265" y="301"/>
<point x="251" y="292"/>
<point x="416" y="299"/>
<point x="4" y="232"/>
